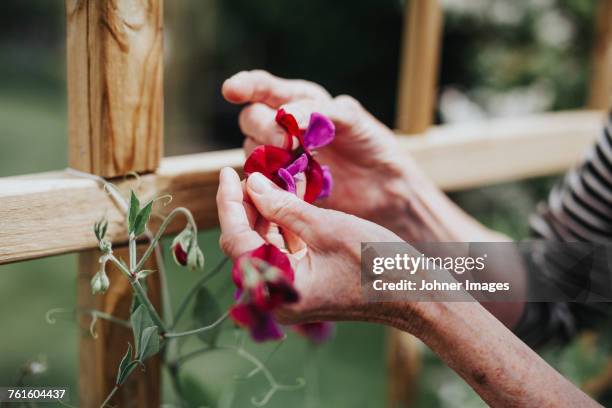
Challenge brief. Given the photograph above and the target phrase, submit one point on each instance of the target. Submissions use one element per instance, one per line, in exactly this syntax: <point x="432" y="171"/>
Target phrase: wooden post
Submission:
<point x="601" y="70"/>
<point x="99" y="357"/>
<point x="115" y="86"/>
<point x="415" y="109"/>
<point x="115" y="106"/>
<point x="419" y="66"/>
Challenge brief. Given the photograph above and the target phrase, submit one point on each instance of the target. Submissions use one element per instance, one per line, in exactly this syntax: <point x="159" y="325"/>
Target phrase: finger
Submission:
<point x="237" y="233"/>
<point x="270" y="232"/>
<point x="261" y="86"/>
<point x="288" y="211"/>
<point x="248" y="146"/>
<point x="258" y="122"/>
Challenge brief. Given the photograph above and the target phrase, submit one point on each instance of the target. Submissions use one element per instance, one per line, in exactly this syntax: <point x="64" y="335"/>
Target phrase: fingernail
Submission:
<point x="258" y="183"/>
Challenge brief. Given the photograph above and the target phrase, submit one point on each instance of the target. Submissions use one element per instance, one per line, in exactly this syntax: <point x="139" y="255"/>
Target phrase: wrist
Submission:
<point x="418" y="211"/>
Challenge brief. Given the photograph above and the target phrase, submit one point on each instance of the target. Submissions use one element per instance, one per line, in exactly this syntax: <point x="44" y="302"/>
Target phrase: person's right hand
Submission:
<point x="364" y="158"/>
<point x="327" y="269"/>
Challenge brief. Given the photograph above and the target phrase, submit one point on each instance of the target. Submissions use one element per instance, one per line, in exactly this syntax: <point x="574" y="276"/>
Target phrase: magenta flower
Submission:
<point x="261" y="324"/>
<point x="285" y="166"/>
<point x="264" y="279"/>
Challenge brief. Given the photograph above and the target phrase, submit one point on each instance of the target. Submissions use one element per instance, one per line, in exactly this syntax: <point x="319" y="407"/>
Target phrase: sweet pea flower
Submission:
<point x="285" y="166"/>
<point x="264" y="279"/>
<point x="261" y="325"/>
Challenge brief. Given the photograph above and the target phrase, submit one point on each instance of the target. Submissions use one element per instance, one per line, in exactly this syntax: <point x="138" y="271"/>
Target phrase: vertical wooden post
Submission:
<point x="115" y="106"/>
<point x="99" y="357"/>
<point x="418" y="75"/>
<point x="601" y="70"/>
<point x="115" y="86"/>
<point x="415" y="108"/>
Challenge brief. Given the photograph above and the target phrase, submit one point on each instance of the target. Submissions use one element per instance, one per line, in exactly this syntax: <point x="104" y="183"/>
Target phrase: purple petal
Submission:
<point x="288" y="179"/>
<point x="266" y="329"/>
<point x="328" y="182"/>
<point x="238" y="293"/>
<point x="320" y="131"/>
<point x="298" y="166"/>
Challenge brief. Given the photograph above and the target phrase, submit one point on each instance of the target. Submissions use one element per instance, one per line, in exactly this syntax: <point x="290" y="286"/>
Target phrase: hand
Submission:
<point x="327" y="271"/>
<point x="363" y="158"/>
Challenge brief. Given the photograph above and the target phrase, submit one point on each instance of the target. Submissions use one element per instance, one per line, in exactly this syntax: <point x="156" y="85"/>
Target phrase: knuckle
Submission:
<point x="315" y="90"/>
<point x="261" y="72"/>
<point x="226" y="244"/>
<point x="348" y="102"/>
<point x="283" y="207"/>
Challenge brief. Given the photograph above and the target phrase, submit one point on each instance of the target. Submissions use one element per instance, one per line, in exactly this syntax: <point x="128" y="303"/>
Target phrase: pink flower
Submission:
<point x="264" y="279"/>
<point x="284" y="166"/>
<point x="261" y="325"/>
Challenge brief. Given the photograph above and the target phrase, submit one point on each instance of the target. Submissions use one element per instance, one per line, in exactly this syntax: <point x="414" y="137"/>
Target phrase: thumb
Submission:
<point x="285" y="209"/>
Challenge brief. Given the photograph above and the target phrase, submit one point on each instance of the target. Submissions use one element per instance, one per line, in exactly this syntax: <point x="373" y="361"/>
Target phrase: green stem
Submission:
<point x="140" y="293"/>
<point x="132" y="248"/>
<point x="106" y="316"/>
<point x="194" y="289"/>
<point x="217" y="322"/>
<point x="162" y="229"/>
<point x="110" y="396"/>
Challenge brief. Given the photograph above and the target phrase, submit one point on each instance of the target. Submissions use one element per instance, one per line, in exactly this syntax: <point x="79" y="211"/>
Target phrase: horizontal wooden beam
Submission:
<point x="53" y="213"/>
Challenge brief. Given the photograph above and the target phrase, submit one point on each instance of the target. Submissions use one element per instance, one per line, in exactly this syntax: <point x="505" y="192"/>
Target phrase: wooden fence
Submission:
<point x="116" y="127"/>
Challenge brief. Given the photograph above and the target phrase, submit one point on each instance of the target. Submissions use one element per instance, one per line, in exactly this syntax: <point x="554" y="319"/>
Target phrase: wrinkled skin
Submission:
<point x="362" y="157"/>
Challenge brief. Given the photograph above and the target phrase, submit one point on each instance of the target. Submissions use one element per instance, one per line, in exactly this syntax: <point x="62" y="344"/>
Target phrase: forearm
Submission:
<point x="494" y="362"/>
<point x="418" y="212"/>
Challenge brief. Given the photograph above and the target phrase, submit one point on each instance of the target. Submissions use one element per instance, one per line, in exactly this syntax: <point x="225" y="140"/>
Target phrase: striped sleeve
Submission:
<point x="578" y="209"/>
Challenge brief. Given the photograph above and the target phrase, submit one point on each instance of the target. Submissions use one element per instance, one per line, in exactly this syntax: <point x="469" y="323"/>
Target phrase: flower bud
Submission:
<point x="195" y="258"/>
<point x="179" y="254"/>
<point x="185" y="250"/>
<point x="105" y="246"/>
<point x="100" y="281"/>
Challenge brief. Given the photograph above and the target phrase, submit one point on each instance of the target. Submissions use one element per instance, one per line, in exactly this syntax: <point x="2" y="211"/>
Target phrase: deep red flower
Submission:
<point x="268" y="253"/>
<point x="288" y="122"/>
<point x="320" y="132"/>
<point x="264" y="279"/>
<point x="180" y="255"/>
<point x="260" y="324"/>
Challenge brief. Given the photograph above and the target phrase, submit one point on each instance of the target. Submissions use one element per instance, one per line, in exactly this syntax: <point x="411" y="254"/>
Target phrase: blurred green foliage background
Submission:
<point x="500" y="58"/>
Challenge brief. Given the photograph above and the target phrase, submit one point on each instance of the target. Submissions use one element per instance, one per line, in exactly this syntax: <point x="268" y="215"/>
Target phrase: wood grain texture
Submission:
<point x="52" y="213"/>
<point x="417" y="92"/>
<point x="115" y="107"/>
<point x="600" y="92"/>
<point x="99" y="357"/>
<point x="419" y="63"/>
<point x="115" y="85"/>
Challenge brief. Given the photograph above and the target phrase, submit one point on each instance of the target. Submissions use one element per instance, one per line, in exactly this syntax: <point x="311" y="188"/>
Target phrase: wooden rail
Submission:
<point x="53" y="213"/>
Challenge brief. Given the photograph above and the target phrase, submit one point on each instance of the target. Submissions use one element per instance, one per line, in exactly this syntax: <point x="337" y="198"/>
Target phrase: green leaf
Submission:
<point x="142" y="218"/>
<point x="205" y="312"/>
<point x="126" y="366"/>
<point x="144" y="273"/>
<point x="149" y="343"/>
<point x="140" y="320"/>
<point x="195" y="258"/>
<point x="135" y="304"/>
<point x="133" y="211"/>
